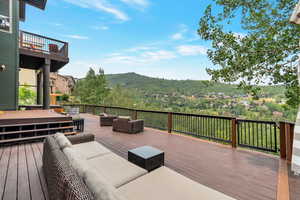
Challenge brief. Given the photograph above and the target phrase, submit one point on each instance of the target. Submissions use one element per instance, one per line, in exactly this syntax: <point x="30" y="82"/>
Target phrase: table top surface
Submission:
<point x="146" y="151"/>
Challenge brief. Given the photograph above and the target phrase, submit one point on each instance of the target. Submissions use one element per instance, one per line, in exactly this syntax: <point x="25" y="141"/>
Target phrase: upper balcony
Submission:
<point x="34" y="49"/>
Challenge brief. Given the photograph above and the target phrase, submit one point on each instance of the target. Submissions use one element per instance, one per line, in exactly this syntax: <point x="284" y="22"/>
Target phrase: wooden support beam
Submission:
<point x="282" y="127"/>
<point x="234" y="133"/>
<point x="289" y="141"/>
<point x="39" y="89"/>
<point x="46" y="85"/>
<point x="170" y="122"/>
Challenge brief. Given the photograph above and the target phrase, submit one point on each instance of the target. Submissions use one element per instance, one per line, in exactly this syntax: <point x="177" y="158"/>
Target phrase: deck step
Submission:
<point x="36" y="130"/>
<point x="71" y="133"/>
<point x="33" y="124"/>
<point x="15" y="140"/>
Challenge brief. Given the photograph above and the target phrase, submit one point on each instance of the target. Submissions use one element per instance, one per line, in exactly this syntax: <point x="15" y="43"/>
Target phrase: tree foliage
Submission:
<point x="26" y="95"/>
<point x="267" y="54"/>
<point x="92" y="89"/>
<point x="119" y="96"/>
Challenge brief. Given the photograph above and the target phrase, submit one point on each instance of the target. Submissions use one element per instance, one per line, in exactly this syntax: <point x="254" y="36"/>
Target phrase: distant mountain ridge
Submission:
<point x="149" y="86"/>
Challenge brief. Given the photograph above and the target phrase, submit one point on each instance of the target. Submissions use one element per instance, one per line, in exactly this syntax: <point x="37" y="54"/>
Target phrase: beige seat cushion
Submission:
<point x="100" y="187"/>
<point x="77" y="161"/>
<point x="90" y="150"/>
<point x="116" y="169"/>
<point x="164" y="183"/>
<point x="62" y="140"/>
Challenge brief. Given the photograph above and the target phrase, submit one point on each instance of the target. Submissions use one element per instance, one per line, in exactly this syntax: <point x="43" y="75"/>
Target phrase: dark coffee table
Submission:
<point x="146" y="157"/>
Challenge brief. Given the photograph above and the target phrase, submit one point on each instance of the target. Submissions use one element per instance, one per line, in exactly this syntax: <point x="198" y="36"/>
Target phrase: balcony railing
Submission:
<point x="41" y="44"/>
<point x="267" y="136"/>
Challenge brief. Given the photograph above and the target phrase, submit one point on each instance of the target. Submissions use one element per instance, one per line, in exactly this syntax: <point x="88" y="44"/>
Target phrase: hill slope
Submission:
<point x="149" y="86"/>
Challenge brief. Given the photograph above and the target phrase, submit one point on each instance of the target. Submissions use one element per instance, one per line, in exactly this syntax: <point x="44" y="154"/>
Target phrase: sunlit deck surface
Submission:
<point x="30" y="116"/>
<point x="294" y="186"/>
<point x="238" y="173"/>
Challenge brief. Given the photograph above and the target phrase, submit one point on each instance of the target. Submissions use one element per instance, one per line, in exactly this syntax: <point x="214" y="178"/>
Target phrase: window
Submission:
<point x="5" y="15"/>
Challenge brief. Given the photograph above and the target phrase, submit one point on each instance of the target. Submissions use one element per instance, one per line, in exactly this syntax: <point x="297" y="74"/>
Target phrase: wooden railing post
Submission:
<point x="104" y="109"/>
<point x="234" y="133"/>
<point x="282" y="126"/>
<point x="289" y="141"/>
<point x="84" y="108"/>
<point x="170" y="122"/>
<point x="94" y="110"/>
<point x="134" y="115"/>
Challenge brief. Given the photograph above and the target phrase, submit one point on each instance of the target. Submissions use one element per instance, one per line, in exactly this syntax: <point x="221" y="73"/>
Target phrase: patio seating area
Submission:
<point x="214" y="165"/>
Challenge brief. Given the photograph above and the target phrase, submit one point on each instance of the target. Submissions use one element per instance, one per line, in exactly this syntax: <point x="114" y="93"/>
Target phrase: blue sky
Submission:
<point x="154" y="38"/>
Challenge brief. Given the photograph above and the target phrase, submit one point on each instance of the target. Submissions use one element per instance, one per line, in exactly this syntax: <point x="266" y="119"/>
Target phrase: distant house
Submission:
<point x="277" y="114"/>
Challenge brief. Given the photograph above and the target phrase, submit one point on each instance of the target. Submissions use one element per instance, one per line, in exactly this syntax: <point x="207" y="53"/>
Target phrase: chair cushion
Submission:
<point x="100" y="187"/>
<point x="90" y="150"/>
<point x="164" y="183"/>
<point x="62" y="140"/>
<point x="77" y="161"/>
<point x="124" y="118"/>
<point x="116" y="169"/>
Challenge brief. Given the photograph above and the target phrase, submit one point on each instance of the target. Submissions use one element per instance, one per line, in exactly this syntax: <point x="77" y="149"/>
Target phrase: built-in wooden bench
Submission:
<point x="33" y="131"/>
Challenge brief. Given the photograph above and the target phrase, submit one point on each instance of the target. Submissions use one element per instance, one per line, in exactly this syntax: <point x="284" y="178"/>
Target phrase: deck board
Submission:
<point x="34" y="179"/>
<point x="10" y="192"/>
<point x="4" y="167"/>
<point x="38" y="160"/>
<point x="294" y="185"/>
<point x="23" y="179"/>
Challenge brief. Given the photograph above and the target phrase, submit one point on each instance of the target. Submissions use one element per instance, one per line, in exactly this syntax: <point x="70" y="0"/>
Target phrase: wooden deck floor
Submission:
<point x="294" y="185"/>
<point x="238" y="173"/>
<point x="241" y="174"/>
<point x="21" y="176"/>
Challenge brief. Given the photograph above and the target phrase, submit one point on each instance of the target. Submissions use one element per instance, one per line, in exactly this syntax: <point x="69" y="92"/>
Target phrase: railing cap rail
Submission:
<point x="45" y="37"/>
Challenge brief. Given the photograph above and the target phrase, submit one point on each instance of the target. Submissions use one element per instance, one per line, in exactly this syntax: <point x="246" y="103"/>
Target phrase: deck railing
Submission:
<point x="42" y="44"/>
<point x="267" y="136"/>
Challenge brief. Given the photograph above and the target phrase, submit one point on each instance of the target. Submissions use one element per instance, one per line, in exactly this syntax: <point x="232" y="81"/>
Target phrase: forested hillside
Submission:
<point x="150" y="86"/>
<point x="203" y="97"/>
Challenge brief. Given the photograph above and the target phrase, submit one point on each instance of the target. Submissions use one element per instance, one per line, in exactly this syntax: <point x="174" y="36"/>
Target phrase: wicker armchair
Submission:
<point x="128" y="126"/>
<point x="106" y="120"/>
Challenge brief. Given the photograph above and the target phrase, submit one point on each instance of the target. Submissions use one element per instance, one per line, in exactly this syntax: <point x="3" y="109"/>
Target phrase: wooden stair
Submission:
<point x="33" y="131"/>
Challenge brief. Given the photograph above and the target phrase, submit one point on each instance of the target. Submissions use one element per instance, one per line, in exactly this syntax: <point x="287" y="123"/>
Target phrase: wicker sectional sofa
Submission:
<point x="79" y="168"/>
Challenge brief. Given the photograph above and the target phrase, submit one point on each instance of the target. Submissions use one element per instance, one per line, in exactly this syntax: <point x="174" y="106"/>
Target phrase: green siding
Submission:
<point x="9" y="56"/>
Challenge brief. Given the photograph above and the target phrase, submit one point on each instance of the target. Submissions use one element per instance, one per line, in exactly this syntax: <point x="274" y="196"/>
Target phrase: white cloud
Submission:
<point x="177" y="36"/>
<point x="101" y="5"/>
<point x="104" y="28"/>
<point x="191" y="50"/>
<point x="158" y="55"/>
<point x="78" y="37"/>
<point x="180" y="34"/>
<point x="139" y="3"/>
<point x="57" y="24"/>
<point x="142" y="58"/>
<point x="139" y="48"/>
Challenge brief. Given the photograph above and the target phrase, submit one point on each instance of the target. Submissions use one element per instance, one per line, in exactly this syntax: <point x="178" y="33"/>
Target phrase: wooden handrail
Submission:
<point x="286" y="128"/>
<point x="43" y="44"/>
<point x="41" y="36"/>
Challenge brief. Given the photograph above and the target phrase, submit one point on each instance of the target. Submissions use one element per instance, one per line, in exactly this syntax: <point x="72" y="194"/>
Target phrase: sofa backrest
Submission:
<point x="62" y="180"/>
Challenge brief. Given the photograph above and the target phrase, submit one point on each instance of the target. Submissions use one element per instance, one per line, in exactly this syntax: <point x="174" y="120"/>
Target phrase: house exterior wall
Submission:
<point x="62" y="84"/>
<point x="9" y="57"/>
